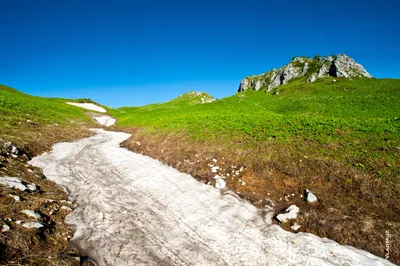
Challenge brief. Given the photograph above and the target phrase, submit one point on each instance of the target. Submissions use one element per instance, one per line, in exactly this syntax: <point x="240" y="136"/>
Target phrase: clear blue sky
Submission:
<point x="122" y="53"/>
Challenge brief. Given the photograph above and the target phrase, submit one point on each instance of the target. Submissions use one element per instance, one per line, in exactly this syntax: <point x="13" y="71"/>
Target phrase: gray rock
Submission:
<point x="11" y="148"/>
<point x="33" y="225"/>
<point x="12" y="182"/>
<point x="312" y="69"/>
<point x="289" y="214"/>
<point x="309" y="197"/>
<point x="311" y="79"/>
<point x="323" y="71"/>
<point x="32" y="214"/>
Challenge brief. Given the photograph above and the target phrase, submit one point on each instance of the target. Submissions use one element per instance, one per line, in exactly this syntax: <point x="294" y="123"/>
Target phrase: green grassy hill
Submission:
<point x="340" y="138"/>
<point x="29" y="120"/>
<point x="359" y="119"/>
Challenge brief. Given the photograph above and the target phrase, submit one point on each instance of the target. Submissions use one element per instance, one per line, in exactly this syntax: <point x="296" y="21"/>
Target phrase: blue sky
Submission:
<point x="128" y="53"/>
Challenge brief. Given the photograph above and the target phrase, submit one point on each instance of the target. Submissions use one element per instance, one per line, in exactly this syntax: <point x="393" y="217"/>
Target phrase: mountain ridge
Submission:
<point x="341" y="66"/>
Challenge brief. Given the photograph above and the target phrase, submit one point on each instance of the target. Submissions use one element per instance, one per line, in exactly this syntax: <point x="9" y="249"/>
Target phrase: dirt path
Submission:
<point x="133" y="210"/>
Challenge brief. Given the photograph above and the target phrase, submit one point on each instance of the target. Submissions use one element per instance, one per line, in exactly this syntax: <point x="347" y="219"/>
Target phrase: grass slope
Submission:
<point x="26" y="119"/>
<point x="360" y="118"/>
<point x="338" y="137"/>
<point x="34" y="124"/>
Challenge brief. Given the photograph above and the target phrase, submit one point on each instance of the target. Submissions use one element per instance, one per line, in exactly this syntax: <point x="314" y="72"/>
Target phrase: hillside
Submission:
<point x="35" y="121"/>
<point x="338" y="137"/>
<point x="29" y="126"/>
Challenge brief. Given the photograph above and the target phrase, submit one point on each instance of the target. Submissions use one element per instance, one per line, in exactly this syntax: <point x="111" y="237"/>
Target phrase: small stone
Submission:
<point x="309" y="197"/>
<point x="66" y="208"/>
<point x="295" y="227"/>
<point x="15" y="197"/>
<point x="242" y="182"/>
<point x="214" y="160"/>
<point x="19" y="222"/>
<point x="32" y="214"/>
<point x="5" y="228"/>
<point x="67" y="202"/>
<point x="33" y="225"/>
<point x="220" y="184"/>
<point x="214" y="169"/>
<point x="32" y="187"/>
<point x="289" y="214"/>
<point x="269" y="202"/>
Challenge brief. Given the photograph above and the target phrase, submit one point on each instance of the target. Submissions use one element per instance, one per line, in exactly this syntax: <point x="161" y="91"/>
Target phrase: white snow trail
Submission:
<point x="133" y="210"/>
<point x="89" y="106"/>
<point x="105" y="120"/>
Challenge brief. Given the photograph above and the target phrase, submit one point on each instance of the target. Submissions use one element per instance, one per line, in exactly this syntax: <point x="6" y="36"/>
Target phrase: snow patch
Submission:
<point x="132" y="209"/>
<point x="89" y="106"/>
<point x="105" y="120"/>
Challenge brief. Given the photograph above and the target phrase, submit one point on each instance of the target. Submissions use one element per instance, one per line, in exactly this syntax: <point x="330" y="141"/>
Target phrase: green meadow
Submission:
<point x="356" y="121"/>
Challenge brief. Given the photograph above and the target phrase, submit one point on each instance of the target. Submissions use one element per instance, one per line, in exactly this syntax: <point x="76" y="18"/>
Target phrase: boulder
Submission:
<point x="311" y="68"/>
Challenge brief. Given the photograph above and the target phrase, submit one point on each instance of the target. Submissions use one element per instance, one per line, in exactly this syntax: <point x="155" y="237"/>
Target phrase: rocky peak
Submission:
<point x="311" y="68"/>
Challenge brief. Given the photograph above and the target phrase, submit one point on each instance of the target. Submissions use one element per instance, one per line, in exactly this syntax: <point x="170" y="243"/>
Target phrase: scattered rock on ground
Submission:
<point x="66" y="208"/>
<point x="32" y="214"/>
<point x="15" y="197"/>
<point x="289" y="214"/>
<point x="295" y="227"/>
<point x="32" y="187"/>
<point x="214" y="169"/>
<point x="5" y="228"/>
<point x="33" y="225"/>
<point x="220" y="183"/>
<point x="309" y="197"/>
<point x="13" y="182"/>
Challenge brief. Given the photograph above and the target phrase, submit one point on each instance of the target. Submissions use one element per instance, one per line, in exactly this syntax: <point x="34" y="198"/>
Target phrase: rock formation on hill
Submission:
<point x="311" y="68"/>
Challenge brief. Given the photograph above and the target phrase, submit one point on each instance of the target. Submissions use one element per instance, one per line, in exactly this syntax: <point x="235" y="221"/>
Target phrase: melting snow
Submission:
<point x="89" y="106"/>
<point x="134" y="210"/>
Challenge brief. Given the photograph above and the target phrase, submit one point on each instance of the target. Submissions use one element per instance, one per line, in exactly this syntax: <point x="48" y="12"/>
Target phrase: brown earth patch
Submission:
<point x="354" y="207"/>
<point x="48" y="245"/>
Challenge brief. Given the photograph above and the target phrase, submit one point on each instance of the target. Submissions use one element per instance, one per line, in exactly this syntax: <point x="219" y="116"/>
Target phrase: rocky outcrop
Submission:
<point x="311" y="68"/>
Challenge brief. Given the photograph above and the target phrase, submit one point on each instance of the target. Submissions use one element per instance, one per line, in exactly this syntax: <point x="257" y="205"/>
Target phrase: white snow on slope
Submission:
<point x="105" y="120"/>
<point x="133" y="210"/>
<point x="89" y="106"/>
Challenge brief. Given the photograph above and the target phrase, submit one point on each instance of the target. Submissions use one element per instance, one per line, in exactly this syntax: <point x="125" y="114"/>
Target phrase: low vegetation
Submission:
<point x="33" y="125"/>
<point x="340" y="138"/>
